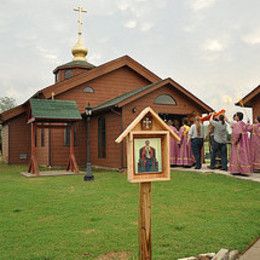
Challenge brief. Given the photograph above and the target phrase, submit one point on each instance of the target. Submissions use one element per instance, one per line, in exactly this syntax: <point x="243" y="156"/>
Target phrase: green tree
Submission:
<point x="6" y="103"/>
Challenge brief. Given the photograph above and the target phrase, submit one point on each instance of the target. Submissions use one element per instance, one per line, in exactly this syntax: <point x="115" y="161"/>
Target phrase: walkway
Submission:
<point x="52" y="173"/>
<point x="253" y="177"/>
<point x="252" y="253"/>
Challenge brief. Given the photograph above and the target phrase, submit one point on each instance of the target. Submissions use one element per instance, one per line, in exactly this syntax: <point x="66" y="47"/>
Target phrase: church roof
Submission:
<point x="63" y="86"/>
<point x="101" y="70"/>
<point x="112" y="102"/>
<point x="138" y="93"/>
<point x="53" y="110"/>
<point x="247" y="100"/>
<point x="75" y="64"/>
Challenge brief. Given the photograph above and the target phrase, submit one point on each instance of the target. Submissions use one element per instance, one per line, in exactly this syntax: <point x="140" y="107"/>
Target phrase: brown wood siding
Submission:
<point x="182" y="107"/>
<point x="60" y="152"/>
<point x="256" y="106"/>
<point x="42" y="151"/>
<point x="5" y="143"/>
<point x="19" y="136"/>
<point x="113" y="152"/>
<point x="105" y="88"/>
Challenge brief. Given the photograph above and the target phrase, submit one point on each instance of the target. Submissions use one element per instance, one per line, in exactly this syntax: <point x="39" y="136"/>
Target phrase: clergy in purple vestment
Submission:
<point x="255" y="144"/>
<point x="174" y="147"/>
<point x="186" y="157"/>
<point x="240" y="161"/>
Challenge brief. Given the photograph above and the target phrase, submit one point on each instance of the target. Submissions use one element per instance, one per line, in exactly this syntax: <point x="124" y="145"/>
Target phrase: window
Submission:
<point x="101" y="137"/>
<point x="88" y="89"/>
<point x="67" y="136"/>
<point x="165" y="100"/>
<point x="67" y="74"/>
<point x="42" y="137"/>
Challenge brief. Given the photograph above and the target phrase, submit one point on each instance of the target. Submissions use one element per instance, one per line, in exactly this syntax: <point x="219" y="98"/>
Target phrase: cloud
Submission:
<point x="252" y="38"/>
<point x="95" y="57"/>
<point x="146" y="27"/>
<point x="47" y="55"/>
<point x="198" y="5"/>
<point x="123" y="6"/>
<point x="227" y="100"/>
<point x="131" y="24"/>
<point x="213" y="45"/>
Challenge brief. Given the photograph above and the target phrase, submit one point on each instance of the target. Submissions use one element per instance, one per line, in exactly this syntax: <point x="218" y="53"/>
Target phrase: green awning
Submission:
<point x="54" y="110"/>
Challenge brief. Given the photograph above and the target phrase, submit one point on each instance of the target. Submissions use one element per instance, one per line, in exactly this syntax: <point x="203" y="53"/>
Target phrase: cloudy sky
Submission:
<point x="211" y="47"/>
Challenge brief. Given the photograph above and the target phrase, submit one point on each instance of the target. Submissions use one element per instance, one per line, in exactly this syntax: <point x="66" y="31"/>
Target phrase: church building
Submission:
<point x="252" y="100"/>
<point x="116" y="92"/>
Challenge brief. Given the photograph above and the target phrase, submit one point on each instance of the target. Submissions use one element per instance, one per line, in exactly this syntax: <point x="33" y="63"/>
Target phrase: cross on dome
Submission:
<point x="79" y="51"/>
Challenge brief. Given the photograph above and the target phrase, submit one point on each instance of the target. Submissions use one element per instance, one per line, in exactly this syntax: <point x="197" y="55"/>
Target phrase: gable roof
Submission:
<point x="137" y="93"/>
<point x="53" y="110"/>
<point x="139" y="118"/>
<point x="247" y="100"/>
<point x="101" y="70"/>
<point x="82" y="78"/>
<point x="13" y="112"/>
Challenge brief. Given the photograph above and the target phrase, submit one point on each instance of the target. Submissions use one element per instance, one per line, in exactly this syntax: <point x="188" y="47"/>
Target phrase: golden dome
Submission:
<point x="79" y="51"/>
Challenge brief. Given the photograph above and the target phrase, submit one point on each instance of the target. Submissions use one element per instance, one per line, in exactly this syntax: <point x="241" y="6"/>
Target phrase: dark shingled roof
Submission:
<point x="76" y="64"/>
<point x="114" y="101"/>
<point x="54" y="109"/>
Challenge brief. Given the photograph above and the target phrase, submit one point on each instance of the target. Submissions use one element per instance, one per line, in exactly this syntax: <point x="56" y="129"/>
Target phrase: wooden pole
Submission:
<point x="72" y="165"/>
<point x="145" y="242"/>
<point x="33" y="166"/>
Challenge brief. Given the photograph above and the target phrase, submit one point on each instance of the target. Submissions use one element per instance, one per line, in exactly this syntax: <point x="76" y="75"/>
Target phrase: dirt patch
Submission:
<point x="115" y="256"/>
<point x="88" y="231"/>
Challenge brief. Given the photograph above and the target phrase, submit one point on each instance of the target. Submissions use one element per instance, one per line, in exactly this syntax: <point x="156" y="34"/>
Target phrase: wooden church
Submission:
<point x="116" y="92"/>
<point x="252" y="100"/>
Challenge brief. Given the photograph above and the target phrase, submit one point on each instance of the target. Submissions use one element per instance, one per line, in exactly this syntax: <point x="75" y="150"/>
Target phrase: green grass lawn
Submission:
<point x="66" y="218"/>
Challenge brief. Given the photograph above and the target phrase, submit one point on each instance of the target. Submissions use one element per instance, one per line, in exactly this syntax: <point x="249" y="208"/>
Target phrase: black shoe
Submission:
<point x="224" y="169"/>
<point x="210" y="167"/>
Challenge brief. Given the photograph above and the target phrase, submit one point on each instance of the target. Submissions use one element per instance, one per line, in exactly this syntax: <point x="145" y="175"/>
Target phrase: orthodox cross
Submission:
<point x="80" y="23"/>
<point x="147" y="123"/>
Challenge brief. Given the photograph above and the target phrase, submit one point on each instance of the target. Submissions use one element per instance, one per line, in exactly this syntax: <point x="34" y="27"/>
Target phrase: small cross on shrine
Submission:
<point x="80" y="10"/>
<point x="147" y="123"/>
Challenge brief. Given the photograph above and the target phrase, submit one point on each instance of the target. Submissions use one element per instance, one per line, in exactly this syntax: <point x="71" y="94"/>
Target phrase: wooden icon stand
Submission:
<point x="148" y="149"/>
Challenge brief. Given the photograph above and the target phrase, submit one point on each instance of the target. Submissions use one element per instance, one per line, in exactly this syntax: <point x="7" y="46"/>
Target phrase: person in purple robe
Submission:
<point x="174" y="147"/>
<point x="185" y="157"/>
<point x="240" y="162"/>
<point x="254" y="129"/>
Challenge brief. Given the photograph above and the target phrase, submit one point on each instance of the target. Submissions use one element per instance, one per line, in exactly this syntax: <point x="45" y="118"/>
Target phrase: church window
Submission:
<point x="101" y="137"/>
<point x="165" y="100"/>
<point x="67" y="136"/>
<point x="88" y="89"/>
<point x="67" y="74"/>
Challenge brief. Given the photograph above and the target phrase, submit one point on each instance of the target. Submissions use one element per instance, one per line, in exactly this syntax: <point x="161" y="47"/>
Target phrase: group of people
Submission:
<point x="245" y="143"/>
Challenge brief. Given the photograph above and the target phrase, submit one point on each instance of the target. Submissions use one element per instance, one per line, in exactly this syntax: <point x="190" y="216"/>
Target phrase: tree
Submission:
<point x="6" y="103"/>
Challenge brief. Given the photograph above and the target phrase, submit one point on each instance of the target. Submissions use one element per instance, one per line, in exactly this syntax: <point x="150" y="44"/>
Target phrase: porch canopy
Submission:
<point x="48" y="113"/>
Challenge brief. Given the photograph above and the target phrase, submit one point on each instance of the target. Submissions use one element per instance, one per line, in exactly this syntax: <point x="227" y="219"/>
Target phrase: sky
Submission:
<point x="210" y="47"/>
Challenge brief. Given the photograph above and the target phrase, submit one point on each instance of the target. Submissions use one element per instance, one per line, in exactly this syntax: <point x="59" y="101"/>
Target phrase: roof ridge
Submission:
<point x="52" y="100"/>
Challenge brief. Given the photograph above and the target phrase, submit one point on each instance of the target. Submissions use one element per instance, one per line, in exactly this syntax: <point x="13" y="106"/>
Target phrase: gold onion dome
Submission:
<point x="79" y="51"/>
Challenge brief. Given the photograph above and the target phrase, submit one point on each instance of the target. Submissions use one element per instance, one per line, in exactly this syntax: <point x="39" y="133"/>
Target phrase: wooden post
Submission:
<point x="72" y="165"/>
<point x="145" y="241"/>
<point x="33" y="166"/>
